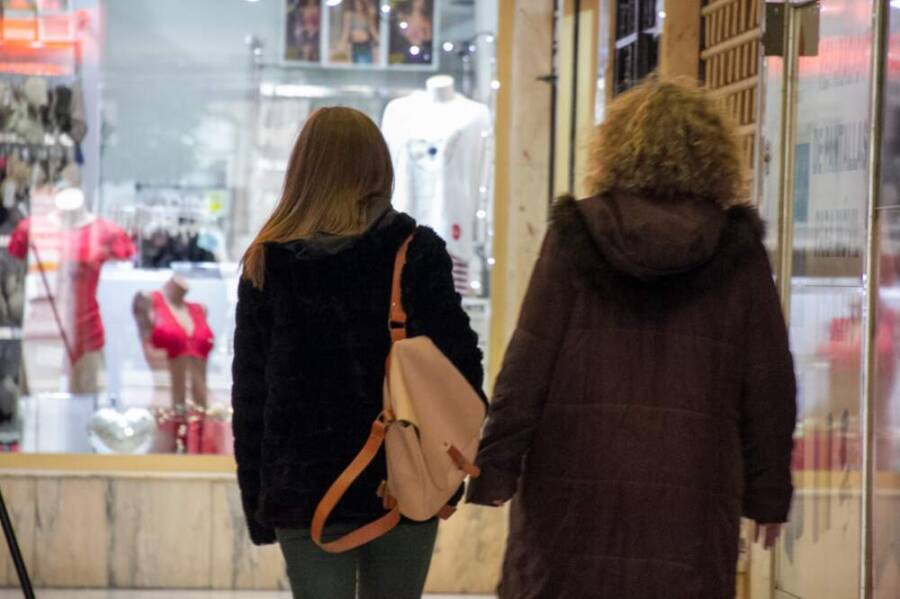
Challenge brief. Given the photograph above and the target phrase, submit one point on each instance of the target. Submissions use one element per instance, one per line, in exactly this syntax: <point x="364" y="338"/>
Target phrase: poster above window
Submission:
<point x="361" y="34"/>
<point x="412" y="32"/>
<point x="303" y="31"/>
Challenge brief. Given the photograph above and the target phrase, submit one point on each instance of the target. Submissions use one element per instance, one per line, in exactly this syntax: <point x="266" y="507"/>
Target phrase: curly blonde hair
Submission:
<point x="666" y="139"/>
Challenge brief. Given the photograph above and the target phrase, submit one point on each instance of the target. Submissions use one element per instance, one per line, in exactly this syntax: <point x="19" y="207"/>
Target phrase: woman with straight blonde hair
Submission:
<point x="310" y="347"/>
<point x="647" y="398"/>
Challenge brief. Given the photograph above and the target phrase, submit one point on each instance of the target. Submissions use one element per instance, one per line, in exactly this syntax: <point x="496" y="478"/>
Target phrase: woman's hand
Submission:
<point x="767" y="534"/>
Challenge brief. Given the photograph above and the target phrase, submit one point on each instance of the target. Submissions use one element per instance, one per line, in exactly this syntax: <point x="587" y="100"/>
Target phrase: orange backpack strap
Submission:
<point x="397" y="319"/>
<point x="370" y="531"/>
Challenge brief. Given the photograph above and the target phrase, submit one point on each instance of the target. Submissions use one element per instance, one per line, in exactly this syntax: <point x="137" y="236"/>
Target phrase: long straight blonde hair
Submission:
<point x="339" y="164"/>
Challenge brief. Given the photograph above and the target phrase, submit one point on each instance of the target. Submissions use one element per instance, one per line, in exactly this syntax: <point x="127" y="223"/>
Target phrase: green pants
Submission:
<point x="392" y="567"/>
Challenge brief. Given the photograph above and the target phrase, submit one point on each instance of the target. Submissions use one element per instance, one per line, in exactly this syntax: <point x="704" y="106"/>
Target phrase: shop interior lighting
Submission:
<point x="301" y="90"/>
<point x="386" y="8"/>
<point x="495" y="84"/>
<point x="448" y="46"/>
<point x="415" y="50"/>
<point x="333" y="3"/>
<point x="404" y="25"/>
<point x="284" y="90"/>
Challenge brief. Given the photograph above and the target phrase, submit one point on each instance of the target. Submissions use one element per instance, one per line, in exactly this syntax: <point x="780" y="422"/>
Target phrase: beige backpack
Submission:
<point x="430" y="427"/>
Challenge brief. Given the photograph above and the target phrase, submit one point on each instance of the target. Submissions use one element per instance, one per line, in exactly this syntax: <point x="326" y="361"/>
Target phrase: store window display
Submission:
<point x="138" y="176"/>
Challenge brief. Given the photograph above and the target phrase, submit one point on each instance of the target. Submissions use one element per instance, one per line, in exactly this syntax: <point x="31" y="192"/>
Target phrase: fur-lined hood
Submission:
<point x="650" y="241"/>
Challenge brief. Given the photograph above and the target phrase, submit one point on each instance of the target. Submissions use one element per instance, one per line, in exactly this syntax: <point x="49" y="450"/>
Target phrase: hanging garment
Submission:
<point x="169" y="335"/>
<point x="75" y="258"/>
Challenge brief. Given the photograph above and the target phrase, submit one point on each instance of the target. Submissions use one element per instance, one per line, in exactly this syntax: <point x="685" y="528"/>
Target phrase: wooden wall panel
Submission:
<point x="730" y="59"/>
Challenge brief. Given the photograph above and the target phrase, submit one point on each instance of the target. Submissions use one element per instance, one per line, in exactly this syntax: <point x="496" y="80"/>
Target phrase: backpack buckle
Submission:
<point x="388" y="500"/>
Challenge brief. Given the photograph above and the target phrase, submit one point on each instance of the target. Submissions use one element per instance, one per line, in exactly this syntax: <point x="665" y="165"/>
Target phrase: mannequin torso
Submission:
<point x="69" y="246"/>
<point x="176" y="337"/>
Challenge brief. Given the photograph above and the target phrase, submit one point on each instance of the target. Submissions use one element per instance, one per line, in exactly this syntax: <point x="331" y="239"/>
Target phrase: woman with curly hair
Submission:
<point x="647" y="398"/>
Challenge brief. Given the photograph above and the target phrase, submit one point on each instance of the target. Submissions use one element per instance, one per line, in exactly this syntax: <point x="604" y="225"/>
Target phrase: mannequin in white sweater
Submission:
<point x="438" y="144"/>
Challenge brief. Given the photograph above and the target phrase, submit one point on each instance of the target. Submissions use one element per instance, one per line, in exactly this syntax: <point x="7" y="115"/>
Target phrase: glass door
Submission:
<point x="815" y="192"/>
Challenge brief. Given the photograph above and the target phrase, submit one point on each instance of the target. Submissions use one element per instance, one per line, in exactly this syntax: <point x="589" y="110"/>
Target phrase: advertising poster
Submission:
<point x="412" y="32"/>
<point x="354" y="33"/>
<point x="833" y="139"/>
<point x="303" y="26"/>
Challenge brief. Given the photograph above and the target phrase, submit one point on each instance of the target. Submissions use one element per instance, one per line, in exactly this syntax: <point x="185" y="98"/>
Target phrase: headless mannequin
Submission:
<point x="187" y="372"/>
<point x="72" y="213"/>
<point x="441" y="88"/>
<point x="437" y="139"/>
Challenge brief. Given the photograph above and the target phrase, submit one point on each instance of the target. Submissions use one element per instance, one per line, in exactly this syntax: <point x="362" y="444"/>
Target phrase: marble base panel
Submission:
<point x="187" y="532"/>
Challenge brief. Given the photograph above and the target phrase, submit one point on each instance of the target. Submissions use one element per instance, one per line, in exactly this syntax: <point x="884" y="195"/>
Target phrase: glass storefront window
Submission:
<point x="886" y="503"/>
<point x="821" y="544"/>
<point x="144" y="162"/>
<point x="830" y="317"/>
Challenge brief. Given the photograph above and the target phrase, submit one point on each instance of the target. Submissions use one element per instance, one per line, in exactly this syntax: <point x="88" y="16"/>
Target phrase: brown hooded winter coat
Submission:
<point x="646" y="402"/>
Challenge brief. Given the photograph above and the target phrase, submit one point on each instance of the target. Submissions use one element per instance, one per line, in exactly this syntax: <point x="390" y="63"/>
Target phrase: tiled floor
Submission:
<point x="126" y="594"/>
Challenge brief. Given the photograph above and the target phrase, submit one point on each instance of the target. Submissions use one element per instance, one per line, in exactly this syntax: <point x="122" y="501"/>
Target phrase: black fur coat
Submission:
<point x="309" y="358"/>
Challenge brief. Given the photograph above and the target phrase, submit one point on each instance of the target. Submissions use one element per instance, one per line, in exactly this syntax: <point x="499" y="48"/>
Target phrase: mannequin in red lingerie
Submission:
<point x="175" y="335"/>
<point x="69" y="247"/>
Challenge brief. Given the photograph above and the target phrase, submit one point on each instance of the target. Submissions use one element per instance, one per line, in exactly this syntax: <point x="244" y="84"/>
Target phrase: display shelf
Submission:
<point x="305" y="91"/>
